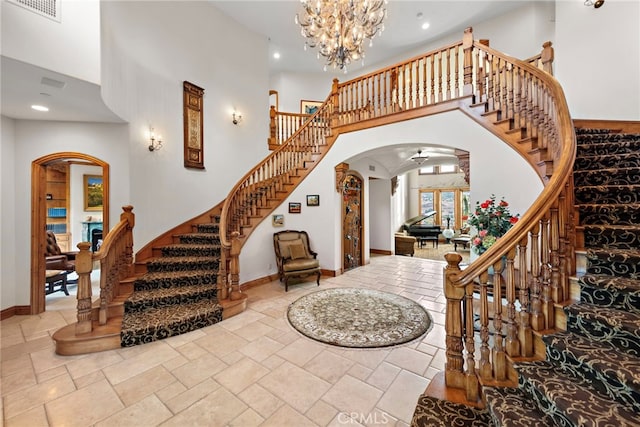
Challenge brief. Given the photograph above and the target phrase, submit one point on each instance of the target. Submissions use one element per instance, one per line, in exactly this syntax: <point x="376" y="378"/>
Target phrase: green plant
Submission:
<point x="491" y="221"/>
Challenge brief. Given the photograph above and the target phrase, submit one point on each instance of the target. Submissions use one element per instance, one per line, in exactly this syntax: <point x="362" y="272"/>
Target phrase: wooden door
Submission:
<point x="352" y="221"/>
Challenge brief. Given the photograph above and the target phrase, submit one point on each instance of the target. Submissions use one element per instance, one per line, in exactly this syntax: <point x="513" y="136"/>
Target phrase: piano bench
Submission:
<point x="464" y="241"/>
<point x="432" y="239"/>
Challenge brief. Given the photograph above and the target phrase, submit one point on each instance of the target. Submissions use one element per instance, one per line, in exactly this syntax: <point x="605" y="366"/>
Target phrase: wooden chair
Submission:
<point x="404" y="244"/>
<point x="294" y="256"/>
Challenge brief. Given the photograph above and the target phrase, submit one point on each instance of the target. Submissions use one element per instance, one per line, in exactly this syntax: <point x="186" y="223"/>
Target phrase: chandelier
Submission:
<point x="419" y="158"/>
<point x="338" y="28"/>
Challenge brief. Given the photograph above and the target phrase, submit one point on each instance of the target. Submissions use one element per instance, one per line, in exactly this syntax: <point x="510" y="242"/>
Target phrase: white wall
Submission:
<point x="76" y="203"/>
<point x="452" y="129"/>
<point x="149" y="49"/>
<point x="8" y="276"/>
<point x="70" y="47"/>
<point x="294" y="87"/>
<point x="598" y="59"/>
<point x="380" y="214"/>
<point x="34" y="139"/>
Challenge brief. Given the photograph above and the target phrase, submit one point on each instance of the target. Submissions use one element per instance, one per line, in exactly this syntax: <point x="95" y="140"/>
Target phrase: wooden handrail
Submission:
<point x="116" y="263"/>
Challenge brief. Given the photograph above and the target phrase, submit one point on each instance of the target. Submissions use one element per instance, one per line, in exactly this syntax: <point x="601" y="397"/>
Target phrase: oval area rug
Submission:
<point x="358" y="318"/>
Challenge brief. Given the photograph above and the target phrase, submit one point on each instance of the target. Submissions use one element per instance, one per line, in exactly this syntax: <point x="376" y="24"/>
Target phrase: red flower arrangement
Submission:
<point x="491" y="220"/>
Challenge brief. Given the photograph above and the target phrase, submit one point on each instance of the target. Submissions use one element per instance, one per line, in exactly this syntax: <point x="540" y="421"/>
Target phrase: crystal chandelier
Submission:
<point x="338" y="27"/>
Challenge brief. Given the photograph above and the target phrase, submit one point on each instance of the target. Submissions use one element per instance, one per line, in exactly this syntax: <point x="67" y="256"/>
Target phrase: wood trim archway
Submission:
<point x="38" y="218"/>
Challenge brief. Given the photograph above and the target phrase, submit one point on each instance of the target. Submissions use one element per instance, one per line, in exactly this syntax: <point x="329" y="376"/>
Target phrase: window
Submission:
<point x="437" y="170"/>
<point x="451" y="203"/>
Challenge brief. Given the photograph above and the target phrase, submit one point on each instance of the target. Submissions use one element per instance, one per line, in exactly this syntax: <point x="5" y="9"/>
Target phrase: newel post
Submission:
<point x="130" y="217"/>
<point x="234" y="266"/>
<point x="454" y="373"/>
<point x="272" y="127"/>
<point x="223" y="286"/>
<point x="335" y="103"/>
<point x="467" y="46"/>
<point x="84" y="265"/>
<point x="547" y="57"/>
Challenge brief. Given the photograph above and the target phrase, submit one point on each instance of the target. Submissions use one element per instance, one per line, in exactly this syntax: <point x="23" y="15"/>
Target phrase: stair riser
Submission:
<point x="186" y="266"/>
<point x="629" y="269"/>
<point x="195" y="251"/>
<point x="598" y="149"/>
<point x="544" y="405"/>
<point x="607" y="195"/>
<point x="208" y="228"/>
<point x="610" y="298"/>
<point x="610" y="237"/>
<point x="166" y="301"/>
<point x="606" y="162"/>
<point x="602" y="215"/>
<point x="602" y="332"/>
<point x="167" y="283"/>
<point x="613" y="177"/>
<point x="603" y="137"/>
<point x="197" y="240"/>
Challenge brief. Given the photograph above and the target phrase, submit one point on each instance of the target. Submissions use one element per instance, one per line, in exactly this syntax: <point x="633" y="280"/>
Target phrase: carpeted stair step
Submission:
<point x="619" y="327"/>
<point x="612" y="236"/>
<point x="610" y="291"/>
<point x="156" y="324"/>
<point x="179" y="249"/>
<point x="614" y="262"/>
<point x="172" y="279"/>
<point x="183" y="263"/>
<point x="620" y="214"/>
<point x="608" y="194"/>
<point x="605" y="137"/>
<point x="163" y="297"/>
<point x="432" y="412"/>
<point x="606" y="162"/>
<point x="625" y="144"/>
<point x="615" y="176"/>
<point x="613" y="373"/>
<point x="570" y="400"/>
<point x="199" y="238"/>
<point x="210" y="228"/>
<point x="512" y="407"/>
<point x="592" y="131"/>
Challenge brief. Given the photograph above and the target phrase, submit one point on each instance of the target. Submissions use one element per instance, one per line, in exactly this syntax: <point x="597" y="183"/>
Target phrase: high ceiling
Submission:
<point x="23" y="84"/>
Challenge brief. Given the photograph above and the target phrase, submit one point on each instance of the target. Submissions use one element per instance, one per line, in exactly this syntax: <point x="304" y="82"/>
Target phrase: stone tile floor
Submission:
<point x="253" y="369"/>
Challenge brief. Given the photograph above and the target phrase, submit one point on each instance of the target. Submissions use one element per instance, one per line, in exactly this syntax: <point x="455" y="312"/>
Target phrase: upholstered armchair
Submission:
<point x="55" y="258"/>
<point x="405" y="244"/>
<point x="294" y="256"/>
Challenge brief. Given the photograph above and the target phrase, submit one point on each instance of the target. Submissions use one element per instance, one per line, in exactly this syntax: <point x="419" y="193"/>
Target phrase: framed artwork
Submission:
<point x="92" y="189"/>
<point x="313" y="200"/>
<point x="309" y="107"/>
<point x="193" y="128"/>
<point x="277" y="220"/>
<point x="295" y="207"/>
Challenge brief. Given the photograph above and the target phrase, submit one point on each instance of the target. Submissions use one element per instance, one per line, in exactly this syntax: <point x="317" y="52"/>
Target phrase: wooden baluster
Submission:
<point x="454" y="373"/>
<point x="423" y="97"/>
<point x="504" y="105"/>
<point x="472" y="384"/>
<point x="556" y="286"/>
<point x="335" y="101"/>
<point x="234" y="270"/>
<point x="433" y="80"/>
<point x="447" y="63"/>
<point x="499" y="355"/>
<point x="84" y="266"/>
<point x="512" y="342"/>
<point x="485" y="368"/>
<point x="440" y="79"/>
<point x="456" y="79"/>
<point x="547" y="301"/>
<point x="221" y="283"/>
<point x="537" y="319"/>
<point x="409" y="83"/>
<point x="491" y="83"/>
<point x="509" y="94"/>
<point x="525" y="335"/>
<point x="467" y="46"/>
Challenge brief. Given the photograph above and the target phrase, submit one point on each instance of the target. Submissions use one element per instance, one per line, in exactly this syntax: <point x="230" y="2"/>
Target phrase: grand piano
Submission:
<point x="422" y="226"/>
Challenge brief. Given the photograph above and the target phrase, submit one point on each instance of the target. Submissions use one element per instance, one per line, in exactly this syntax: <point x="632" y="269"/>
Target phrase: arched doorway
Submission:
<point x="39" y="216"/>
<point x="352" y="227"/>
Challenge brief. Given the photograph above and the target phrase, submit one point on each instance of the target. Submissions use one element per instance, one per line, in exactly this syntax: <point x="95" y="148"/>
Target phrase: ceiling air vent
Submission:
<point x="46" y="8"/>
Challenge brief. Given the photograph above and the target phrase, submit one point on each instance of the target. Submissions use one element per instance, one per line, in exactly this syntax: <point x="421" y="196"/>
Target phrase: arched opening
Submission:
<point x="39" y="211"/>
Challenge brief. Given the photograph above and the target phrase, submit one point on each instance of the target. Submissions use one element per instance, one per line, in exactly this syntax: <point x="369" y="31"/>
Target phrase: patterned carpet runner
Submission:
<point x="178" y="293"/>
<point x="591" y="374"/>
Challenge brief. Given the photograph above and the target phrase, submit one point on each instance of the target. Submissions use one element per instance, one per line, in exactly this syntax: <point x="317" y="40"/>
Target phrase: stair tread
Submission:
<point x="146" y="294"/>
<point x="159" y="275"/>
<point x="615" y="318"/>
<point x="572" y="398"/>
<point x="600" y="355"/>
<point x="433" y="412"/>
<point x="512" y="407"/>
<point x="623" y="253"/>
<point x="612" y="283"/>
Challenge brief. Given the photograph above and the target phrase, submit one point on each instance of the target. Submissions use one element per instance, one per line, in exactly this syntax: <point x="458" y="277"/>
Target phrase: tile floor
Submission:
<point x="253" y="369"/>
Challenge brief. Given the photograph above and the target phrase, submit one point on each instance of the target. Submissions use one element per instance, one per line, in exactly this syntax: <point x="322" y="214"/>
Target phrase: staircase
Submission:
<point x="591" y="373"/>
<point x="178" y="292"/>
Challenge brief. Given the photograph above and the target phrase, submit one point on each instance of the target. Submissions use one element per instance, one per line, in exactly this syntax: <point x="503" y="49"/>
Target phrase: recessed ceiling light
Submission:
<point x="276" y="55"/>
<point x="39" y="108"/>
<point x="425" y="25"/>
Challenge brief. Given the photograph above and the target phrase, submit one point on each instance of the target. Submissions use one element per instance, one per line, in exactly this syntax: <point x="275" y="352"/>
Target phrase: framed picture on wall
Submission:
<point x="295" y="207"/>
<point x="313" y="200"/>
<point x="92" y="189"/>
<point x="309" y="107"/>
<point x="277" y="220"/>
<point x="193" y="127"/>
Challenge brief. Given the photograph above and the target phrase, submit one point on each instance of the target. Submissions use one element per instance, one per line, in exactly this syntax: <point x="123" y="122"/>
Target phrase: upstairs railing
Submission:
<point x="116" y="263"/>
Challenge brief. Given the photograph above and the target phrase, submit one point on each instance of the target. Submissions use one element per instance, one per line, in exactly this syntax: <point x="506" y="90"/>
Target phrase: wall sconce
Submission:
<point x="237" y="118"/>
<point x="596" y="4"/>
<point x="156" y="143"/>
